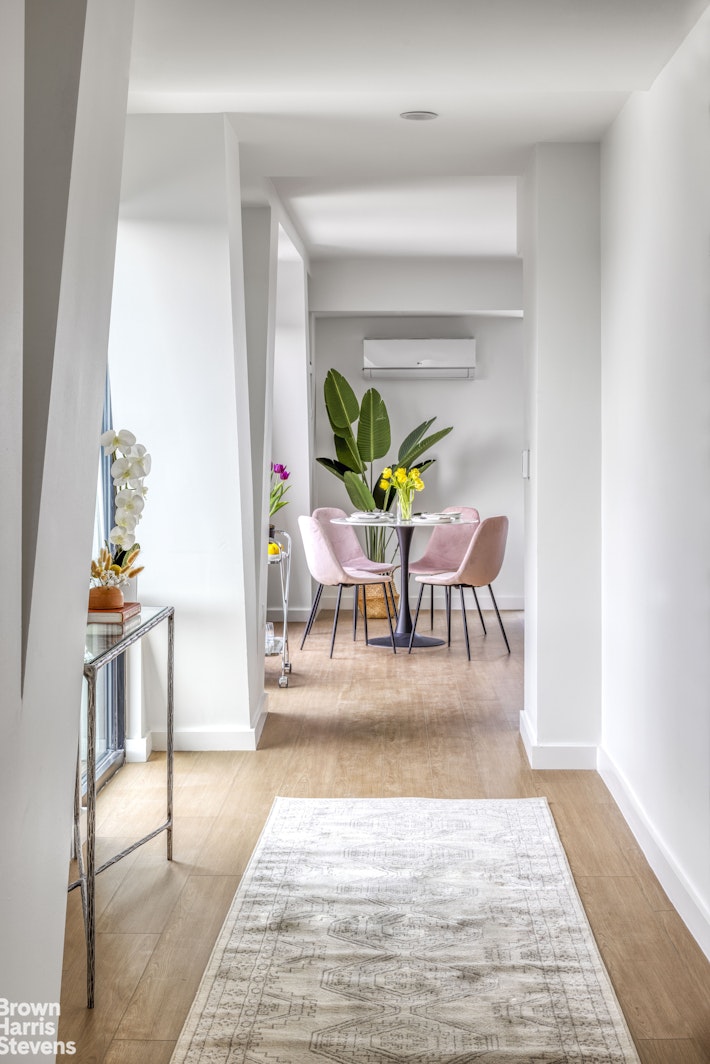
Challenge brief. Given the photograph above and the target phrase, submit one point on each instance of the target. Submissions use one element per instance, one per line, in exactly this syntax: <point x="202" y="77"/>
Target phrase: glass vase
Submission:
<point x="405" y="498"/>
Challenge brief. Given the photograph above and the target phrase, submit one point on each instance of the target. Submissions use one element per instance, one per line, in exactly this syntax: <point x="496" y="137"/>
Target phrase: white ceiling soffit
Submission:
<point x="437" y="217"/>
<point x="314" y="90"/>
<point x="234" y="50"/>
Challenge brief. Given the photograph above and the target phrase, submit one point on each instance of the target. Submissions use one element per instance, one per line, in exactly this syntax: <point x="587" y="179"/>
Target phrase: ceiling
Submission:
<point x="315" y="89"/>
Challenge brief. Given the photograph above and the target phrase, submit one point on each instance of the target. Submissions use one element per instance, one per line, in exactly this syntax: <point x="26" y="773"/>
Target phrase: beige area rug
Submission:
<point x="385" y="931"/>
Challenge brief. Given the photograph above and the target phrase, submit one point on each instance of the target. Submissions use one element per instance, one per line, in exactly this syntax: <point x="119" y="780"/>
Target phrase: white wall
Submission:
<point x="478" y="464"/>
<point x="12" y="32"/>
<point x="178" y="362"/>
<point x="656" y="472"/>
<point x="416" y="286"/>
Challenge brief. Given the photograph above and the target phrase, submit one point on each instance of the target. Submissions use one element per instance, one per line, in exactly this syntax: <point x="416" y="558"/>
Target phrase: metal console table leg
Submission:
<point x="105" y="648"/>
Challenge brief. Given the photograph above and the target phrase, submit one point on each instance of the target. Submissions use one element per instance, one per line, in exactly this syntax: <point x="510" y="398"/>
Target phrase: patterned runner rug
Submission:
<point x="406" y="931"/>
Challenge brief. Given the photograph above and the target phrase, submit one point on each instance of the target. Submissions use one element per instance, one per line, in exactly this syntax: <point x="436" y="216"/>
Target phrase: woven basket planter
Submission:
<point x="376" y="607"/>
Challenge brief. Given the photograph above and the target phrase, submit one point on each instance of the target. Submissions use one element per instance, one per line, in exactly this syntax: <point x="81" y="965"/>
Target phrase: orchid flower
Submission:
<point x="112" y="441"/>
<point x="139" y="468"/>
<point x="131" y="464"/>
<point x="126" y="520"/>
<point x="122" y="538"/>
<point x="121" y="471"/>
<point x="130" y="500"/>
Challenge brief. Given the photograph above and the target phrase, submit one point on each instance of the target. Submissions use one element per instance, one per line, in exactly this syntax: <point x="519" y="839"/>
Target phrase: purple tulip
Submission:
<point x="277" y="468"/>
<point x="284" y="473"/>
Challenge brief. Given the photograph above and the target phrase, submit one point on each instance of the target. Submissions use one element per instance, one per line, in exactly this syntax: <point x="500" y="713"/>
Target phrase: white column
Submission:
<point x="178" y="356"/>
<point x="560" y="723"/>
<point x="292" y="433"/>
<point x="75" y="82"/>
<point x="260" y="243"/>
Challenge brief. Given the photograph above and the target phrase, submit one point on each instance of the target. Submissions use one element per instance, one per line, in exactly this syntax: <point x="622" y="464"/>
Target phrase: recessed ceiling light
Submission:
<point x="419" y="116"/>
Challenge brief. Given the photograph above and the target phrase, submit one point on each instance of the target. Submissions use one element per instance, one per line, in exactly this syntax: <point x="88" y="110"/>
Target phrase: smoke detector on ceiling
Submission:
<point x="419" y="116"/>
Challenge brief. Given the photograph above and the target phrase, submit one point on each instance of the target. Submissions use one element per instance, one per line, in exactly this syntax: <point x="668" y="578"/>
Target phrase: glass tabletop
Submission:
<point x="393" y="522"/>
<point x="106" y="641"/>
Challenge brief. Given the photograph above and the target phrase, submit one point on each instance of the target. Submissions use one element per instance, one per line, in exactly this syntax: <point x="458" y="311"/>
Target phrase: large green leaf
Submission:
<point x="423" y="446"/>
<point x="413" y="439"/>
<point x="347" y="452"/>
<point x="373" y="428"/>
<point x="359" y="493"/>
<point x="340" y="400"/>
<point x="336" y="468"/>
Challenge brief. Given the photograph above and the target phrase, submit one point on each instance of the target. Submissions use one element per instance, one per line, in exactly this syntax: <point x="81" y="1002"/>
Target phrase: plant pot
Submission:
<point x="376" y="608"/>
<point x="105" y="598"/>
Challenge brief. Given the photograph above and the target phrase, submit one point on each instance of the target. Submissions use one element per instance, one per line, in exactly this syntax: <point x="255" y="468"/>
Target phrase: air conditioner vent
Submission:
<point x="423" y="359"/>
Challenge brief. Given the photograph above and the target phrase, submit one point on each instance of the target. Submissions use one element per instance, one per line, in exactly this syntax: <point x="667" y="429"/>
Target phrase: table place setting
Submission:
<point x="448" y="517"/>
<point x="371" y="515"/>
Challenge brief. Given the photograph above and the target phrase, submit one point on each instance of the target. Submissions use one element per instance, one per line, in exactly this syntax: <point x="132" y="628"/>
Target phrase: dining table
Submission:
<point x="404" y="531"/>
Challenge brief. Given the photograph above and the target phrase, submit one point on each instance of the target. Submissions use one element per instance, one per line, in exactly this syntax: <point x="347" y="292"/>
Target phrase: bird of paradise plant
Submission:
<point x="358" y="450"/>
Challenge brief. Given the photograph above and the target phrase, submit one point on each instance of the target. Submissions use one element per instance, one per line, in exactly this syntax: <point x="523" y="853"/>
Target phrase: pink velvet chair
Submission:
<point x="326" y="569"/>
<point x="348" y="549"/>
<point x="345" y="543"/>
<point x="446" y="548"/>
<point x="479" y="568"/>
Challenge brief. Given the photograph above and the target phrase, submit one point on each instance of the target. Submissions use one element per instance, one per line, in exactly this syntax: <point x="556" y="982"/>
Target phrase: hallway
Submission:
<point x="365" y="723"/>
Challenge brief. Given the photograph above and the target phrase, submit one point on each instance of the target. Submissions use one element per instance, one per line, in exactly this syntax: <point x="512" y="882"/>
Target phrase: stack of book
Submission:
<point x="119" y="616"/>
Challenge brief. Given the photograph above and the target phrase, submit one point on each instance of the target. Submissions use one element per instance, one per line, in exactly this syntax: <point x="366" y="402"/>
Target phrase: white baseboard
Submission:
<point x="689" y="906"/>
<point x="139" y="750"/>
<point x="212" y="739"/>
<point x="216" y="738"/>
<point x="295" y="616"/>
<point x="330" y="594"/>
<point x="555" y="755"/>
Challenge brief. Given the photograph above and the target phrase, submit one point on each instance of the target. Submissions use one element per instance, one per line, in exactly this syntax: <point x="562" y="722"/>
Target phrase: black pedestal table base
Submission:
<point x="403" y="631"/>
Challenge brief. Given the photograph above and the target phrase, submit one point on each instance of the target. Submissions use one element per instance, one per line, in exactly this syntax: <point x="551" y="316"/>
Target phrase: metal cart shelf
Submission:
<point x="283" y="560"/>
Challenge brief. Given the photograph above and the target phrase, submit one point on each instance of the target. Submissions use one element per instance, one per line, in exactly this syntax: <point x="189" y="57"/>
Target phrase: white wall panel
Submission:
<point x="656" y="471"/>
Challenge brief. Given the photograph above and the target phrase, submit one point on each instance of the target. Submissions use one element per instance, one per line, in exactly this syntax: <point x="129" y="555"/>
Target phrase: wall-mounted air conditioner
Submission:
<point x="420" y="359"/>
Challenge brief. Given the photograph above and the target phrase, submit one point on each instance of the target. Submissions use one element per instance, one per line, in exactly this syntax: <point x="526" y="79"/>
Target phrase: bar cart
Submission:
<point x="280" y="555"/>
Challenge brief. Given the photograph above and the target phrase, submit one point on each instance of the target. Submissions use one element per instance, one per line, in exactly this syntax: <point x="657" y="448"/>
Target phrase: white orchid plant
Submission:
<point x="115" y="565"/>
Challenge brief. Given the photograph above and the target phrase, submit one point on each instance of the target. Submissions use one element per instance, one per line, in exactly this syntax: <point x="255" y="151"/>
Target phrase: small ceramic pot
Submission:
<point x="105" y="598"/>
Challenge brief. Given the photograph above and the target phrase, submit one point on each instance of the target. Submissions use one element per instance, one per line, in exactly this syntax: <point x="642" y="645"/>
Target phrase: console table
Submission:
<point x="104" y="643"/>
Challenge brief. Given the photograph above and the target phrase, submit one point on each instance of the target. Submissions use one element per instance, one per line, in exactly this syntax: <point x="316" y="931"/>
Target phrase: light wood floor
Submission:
<point x="364" y="724"/>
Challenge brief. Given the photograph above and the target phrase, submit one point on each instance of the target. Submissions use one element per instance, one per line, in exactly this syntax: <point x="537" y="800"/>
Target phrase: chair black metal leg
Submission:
<point x="395" y="613"/>
<point x="495" y="604"/>
<point x="364" y="612"/>
<point x="448" y="616"/>
<point x="389" y="618"/>
<point x="483" y="623"/>
<point x="335" y="619"/>
<point x="356" y="589"/>
<point x="465" y="622"/>
<point x="416" y="618"/>
<point x="312" y="615"/>
<point x="431" y="606"/>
